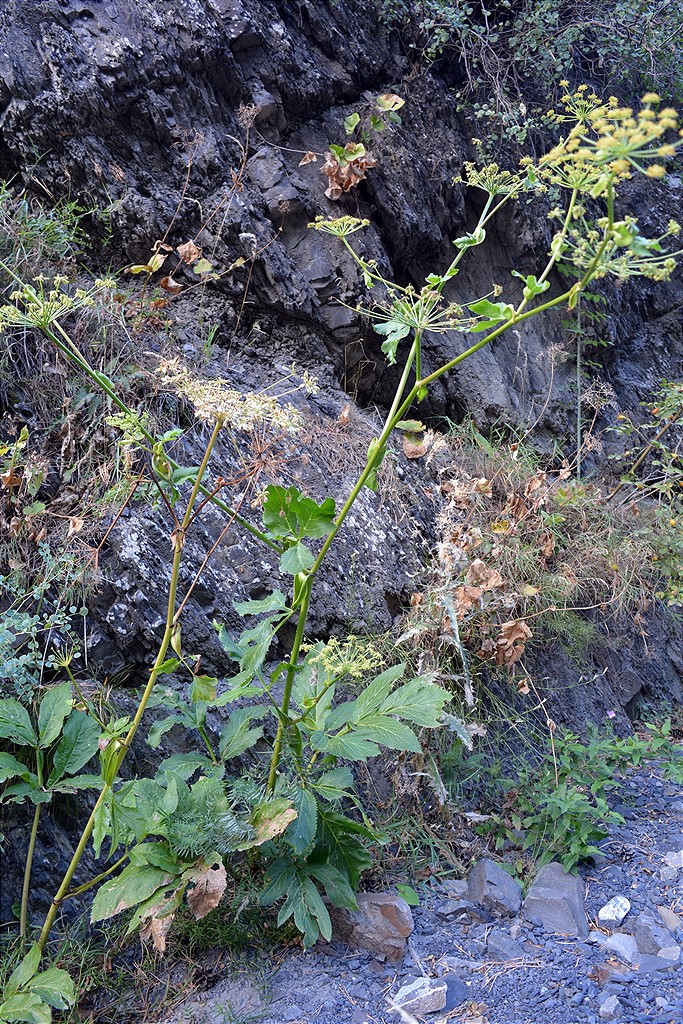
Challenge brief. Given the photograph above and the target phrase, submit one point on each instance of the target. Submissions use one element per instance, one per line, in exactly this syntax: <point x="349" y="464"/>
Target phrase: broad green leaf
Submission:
<point x="158" y="855"/>
<point x="22" y="974"/>
<point x="305" y="905"/>
<point x="409" y="894"/>
<point x="350" y="122"/>
<point x="389" y="101"/>
<point x="334" y="785"/>
<point x="15" y="724"/>
<point x="183" y="765"/>
<point x="286" y="512"/>
<point x="10" y="767"/>
<point x="532" y="286"/>
<point x="18" y="791"/>
<point x="132" y="886"/>
<point x="495" y="313"/>
<point x="354" y="746"/>
<point x="27" y="1007"/>
<point x="78" y="782"/>
<point x="238" y="692"/>
<point x="203" y="689"/>
<point x="418" y="700"/>
<point x="335" y="884"/>
<point x="77" y="745"/>
<point x="103" y="823"/>
<point x="274" y="602"/>
<point x="471" y="238"/>
<point x="238" y="736"/>
<point x="296" y="559"/>
<point x="268" y="821"/>
<point x="412" y="426"/>
<point x="301" y="832"/>
<point x="389" y="732"/>
<point x="160" y="728"/>
<point x="373" y="695"/>
<point x="54" y="708"/>
<point x="339" y="841"/>
<point x="168" y="666"/>
<point x="55" y="986"/>
<point x="279" y="878"/>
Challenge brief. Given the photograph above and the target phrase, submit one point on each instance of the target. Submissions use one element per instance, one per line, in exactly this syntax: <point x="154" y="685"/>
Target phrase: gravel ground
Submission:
<point x="557" y="980"/>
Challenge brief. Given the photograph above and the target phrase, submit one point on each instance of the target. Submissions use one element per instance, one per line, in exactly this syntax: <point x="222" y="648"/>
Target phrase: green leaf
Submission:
<point x="301" y="832"/>
<point x="160" y="728"/>
<point x="55" y="987"/>
<point x="15" y="724"/>
<point x="407" y="893"/>
<point x="390" y="733"/>
<point x="25" y="1007"/>
<point x="394" y="332"/>
<point x="10" y="767"/>
<point x="350" y="122"/>
<point x="469" y="239"/>
<point x="202" y="266"/>
<point x="203" y="689"/>
<point x="132" y="886"/>
<point x="532" y="286"/>
<point x="457" y="726"/>
<point x="304" y="903"/>
<point x="22" y="974"/>
<point x="354" y="746"/>
<point x="274" y="602"/>
<point x="418" y="700"/>
<point x="78" y="744"/>
<point x="335" y="884"/>
<point x="237" y="736"/>
<point x="18" y="791"/>
<point x="279" y="878"/>
<point x="54" y="708"/>
<point x="297" y="559"/>
<point x="338" y="839"/>
<point x="74" y="785"/>
<point x="412" y="426"/>
<point x="495" y="312"/>
<point x="183" y="765"/>
<point x="377" y="691"/>
<point x="334" y="785"/>
<point x="287" y="513"/>
<point x="168" y="666"/>
<point x="158" y="855"/>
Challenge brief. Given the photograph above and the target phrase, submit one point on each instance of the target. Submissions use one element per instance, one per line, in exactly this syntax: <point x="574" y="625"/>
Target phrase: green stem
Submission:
<point x="23" y="914"/>
<point x="178" y="543"/>
<point x="289" y="681"/>
<point x="579" y="425"/>
<point x="98" y="878"/>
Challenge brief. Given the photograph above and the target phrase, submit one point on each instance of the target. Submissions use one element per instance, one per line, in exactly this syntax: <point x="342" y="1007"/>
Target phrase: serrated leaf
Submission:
<point x="54" y="708"/>
<point x="354" y="746"/>
<point x="457" y="726"/>
<point x="160" y="728"/>
<point x="237" y="736"/>
<point x="418" y="701"/>
<point x="183" y="765"/>
<point x="389" y="733"/>
<point x="268" y="821"/>
<point x="335" y="884"/>
<point x="203" y="689"/>
<point x="15" y="724"/>
<point x="78" y="744"/>
<point x="338" y="839"/>
<point x="334" y="785"/>
<point x="274" y="602"/>
<point x="301" y="832"/>
<point x="412" y="426"/>
<point x="381" y="686"/>
<point x="26" y="1006"/>
<point x="394" y="331"/>
<point x="22" y="974"/>
<point x="135" y="884"/>
<point x="11" y="767"/>
<point x="296" y="559"/>
<point x="55" y="987"/>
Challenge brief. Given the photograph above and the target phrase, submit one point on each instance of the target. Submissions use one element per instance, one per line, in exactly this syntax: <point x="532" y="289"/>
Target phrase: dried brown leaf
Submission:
<point x="189" y="252"/>
<point x="170" y="285"/>
<point x="156" y="929"/>
<point x="209" y="885"/>
<point x="309" y="157"/>
<point x="479" y="575"/>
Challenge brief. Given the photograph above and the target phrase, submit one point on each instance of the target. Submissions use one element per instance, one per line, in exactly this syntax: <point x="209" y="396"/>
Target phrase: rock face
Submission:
<point x="381" y="924"/>
<point x="555" y="899"/>
<point x="155" y="115"/>
<point x="424" y="995"/>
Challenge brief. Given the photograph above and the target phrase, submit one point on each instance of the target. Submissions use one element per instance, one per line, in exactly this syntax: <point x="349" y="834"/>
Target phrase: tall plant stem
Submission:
<point x="23" y="913"/>
<point x="178" y="543"/>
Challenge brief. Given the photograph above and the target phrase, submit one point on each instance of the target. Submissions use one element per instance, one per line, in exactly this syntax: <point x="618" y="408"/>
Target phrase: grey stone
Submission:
<point x="456" y="888"/>
<point x="671" y="921"/>
<point x="625" y="947"/>
<point x="501" y="946"/>
<point x="648" y="964"/>
<point x="667" y="873"/>
<point x="456" y="990"/>
<point x="423" y="995"/>
<point x="672" y="953"/>
<point x="382" y="924"/>
<point x="555" y="898"/>
<point x="610" y="1009"/>
<point x="614" y="912"/>
<point x="674" y="858"/>
<point x="494" y="888"/>
<point x="650" y="933"/>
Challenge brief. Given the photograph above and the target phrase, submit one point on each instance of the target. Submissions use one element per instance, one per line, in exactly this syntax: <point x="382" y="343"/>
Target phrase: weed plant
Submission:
<point x="166" y="842"/>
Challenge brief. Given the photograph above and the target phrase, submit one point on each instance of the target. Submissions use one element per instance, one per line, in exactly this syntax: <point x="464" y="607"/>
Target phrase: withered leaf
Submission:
<point x="271" y="820"/>
<point x="189" y="252"/>
<point x="170" y="285"/>
<point x="479" y="575"/>
<point x="511" y="642"/>
<point x="75" y="525"/>
<point x="210" y="882"/>
<point x="156" y="929"/>
<point x="415" y="447"/>
<point x="309" y="157"/>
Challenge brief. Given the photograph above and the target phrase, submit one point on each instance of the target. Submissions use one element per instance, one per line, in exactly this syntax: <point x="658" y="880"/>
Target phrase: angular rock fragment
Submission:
<point x="382" y="924"/>
<point x="423" y="995"/>
<point x="650" y="933"/>
<point x="502" y="947"/>
<point x="494" y="888"/>
<point x="614" y="912"/>
<point x="625" y="947"/>
<point x="555" y="899"/>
